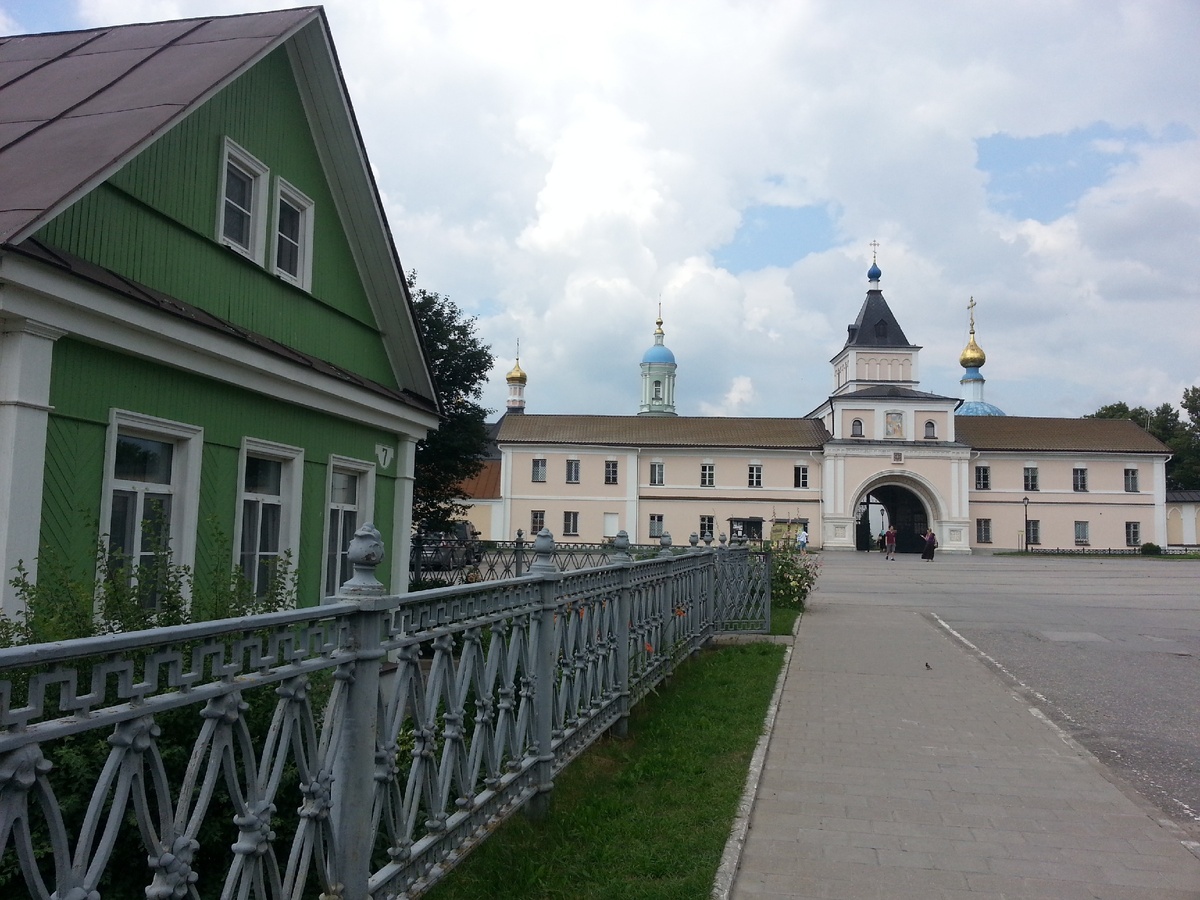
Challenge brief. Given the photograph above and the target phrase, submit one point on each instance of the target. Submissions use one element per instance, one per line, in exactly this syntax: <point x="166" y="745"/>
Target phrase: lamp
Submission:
<point x="1025" y="503"/>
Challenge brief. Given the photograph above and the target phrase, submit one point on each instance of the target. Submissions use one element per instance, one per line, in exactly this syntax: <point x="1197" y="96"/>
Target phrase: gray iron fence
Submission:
<point x="359" y="748"/>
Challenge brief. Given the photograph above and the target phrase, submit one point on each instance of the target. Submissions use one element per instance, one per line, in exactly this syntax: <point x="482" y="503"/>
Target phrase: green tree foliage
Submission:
<point x="460" y="364"/>
<point x="1181" y="436"/>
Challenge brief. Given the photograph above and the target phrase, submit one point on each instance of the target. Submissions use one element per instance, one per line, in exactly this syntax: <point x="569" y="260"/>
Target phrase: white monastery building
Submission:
<point x="878" y="449"/>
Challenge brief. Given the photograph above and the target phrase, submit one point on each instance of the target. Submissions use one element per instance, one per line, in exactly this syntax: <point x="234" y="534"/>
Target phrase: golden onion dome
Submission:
<point x="517" y="374"/>
<point x="972" y="356"/>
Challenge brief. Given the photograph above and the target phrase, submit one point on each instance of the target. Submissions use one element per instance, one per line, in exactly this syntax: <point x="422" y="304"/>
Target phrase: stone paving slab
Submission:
<point x="900" y="766"/>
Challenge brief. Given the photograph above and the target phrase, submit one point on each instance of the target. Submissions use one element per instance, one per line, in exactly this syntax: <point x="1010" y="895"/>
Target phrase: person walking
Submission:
<point x="802" y="540"/>
<point x="930" y="545"/>
<point x="889" y="541"/>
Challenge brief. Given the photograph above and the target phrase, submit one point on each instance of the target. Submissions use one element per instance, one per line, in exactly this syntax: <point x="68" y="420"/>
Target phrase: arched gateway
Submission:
<point x="904" y="508"/>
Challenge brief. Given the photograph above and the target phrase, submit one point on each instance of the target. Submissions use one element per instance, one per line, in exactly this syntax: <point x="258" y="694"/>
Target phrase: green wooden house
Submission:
<point x="206" y="340"/>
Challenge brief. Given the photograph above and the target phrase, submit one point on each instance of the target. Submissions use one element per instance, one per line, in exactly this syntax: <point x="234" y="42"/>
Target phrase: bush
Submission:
<point x="1149" y="549"/>
<point x="793" y="577"/>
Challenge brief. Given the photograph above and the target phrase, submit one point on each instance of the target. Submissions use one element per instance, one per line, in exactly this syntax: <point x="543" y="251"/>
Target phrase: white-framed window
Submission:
<point x="293" y="235"/>
<point x="539" y="470"/>
<point x="611" y="524"/>
<point x="983" y="531"/>
<point x="350" y="502"/>
<point x="572" y="471"/>
<point x="708" y="525"/>
<point x="1081" y="533"/>
<point x="571" y="523"/>
<point x="1131" y="480"/>
<point x="1033" y="533"/>
<point x="1079" y="479"/>
<point x="658" y="390"/>
<point x="537" y="520"/>
<point x="983" y="478"/>
<point x="656" y="525"/>
<point x="611" y="467"/>
<point x="754" y="475"/>
<point x="708" y="474"/>
<point x="1133" y="534"/>
<point x="800" y="476"/>
<point x="242" y="219"/>
<point x="268" y="517"/>
<point x="151" y="494"/>
<point x="657" y="473"/>
<point x="931" y="430"/>
<point x="856" y="428"/>
<point x="1031" y="478"/>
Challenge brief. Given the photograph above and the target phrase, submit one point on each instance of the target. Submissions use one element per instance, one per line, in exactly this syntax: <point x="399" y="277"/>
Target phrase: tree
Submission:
<point x="460" y="364"/>
<point x="1164" y="422"/>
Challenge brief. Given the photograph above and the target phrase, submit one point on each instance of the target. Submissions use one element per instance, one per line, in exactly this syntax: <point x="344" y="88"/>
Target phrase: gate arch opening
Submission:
<point x="903" y="508"/>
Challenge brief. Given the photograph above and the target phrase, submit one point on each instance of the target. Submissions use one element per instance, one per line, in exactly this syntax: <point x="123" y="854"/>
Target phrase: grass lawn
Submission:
<point x="645" y="818"/>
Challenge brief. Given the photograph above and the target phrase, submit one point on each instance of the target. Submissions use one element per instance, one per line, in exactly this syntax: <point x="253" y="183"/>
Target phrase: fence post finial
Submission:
<point x="621" y="547"/>
<point x="665" y="543"/>
<point x="365" y="553"/>
<point x="543" y="553"/>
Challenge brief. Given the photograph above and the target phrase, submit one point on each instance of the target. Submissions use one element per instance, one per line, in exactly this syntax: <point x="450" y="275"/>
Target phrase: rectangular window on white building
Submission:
<point x="1133" y="534"/>
<point x="1031" y="478"/>
<point x="572" y="471"/>
<point x="657" y="473"/>
<point x="983" y="478"/>
<point x="707" y="474"/>
<point x="1033" y="534"/>
<point x="1079" y="479"/>
<point x="754" y="476"/>
<point x="983" y="531"/>
<point x="800" y="477"/>
<point x="539" y="470"/>
<point x="537" y="521"/>
<point x="1081" y="533"/>
<point x="656" y="525"/>
<point x="707" y="526"/>
<point x="1131" y="480"/>
<point x="610" y="471"/>
<point x="571" y="523"/>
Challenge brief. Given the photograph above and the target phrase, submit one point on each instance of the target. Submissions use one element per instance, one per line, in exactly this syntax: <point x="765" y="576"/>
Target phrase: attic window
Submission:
<point x="293" y="235"/>
<point x="881" y="329"/>
<point x="243" y="218"/>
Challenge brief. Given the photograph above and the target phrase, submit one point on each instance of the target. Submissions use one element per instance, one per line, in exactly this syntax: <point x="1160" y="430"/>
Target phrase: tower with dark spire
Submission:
<point x="658" y="376"/>
<point x="876" y="352"/>
<point x="972" y="359"/>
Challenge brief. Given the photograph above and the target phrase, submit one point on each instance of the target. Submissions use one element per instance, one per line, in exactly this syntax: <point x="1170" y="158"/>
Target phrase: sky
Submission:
<point x="560" y="169"/>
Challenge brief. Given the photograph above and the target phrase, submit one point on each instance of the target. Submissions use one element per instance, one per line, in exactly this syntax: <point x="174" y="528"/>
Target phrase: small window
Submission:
<point x="1081" y="533"/>
<point x="856" y="428"/>
<point x="268" y="526"/>
<point x="539" y="470"/>
<point x="983" y="531"/>
<point x="983" y="478"/>
<point x="571" y="523"/>
<point x="1131" y="480"/>
<point x="707" y="474"/>
<point x="351" y="493"/>
<point x="537" y="520"/>
<point x="610" y="471"/>
<point x="572" y="471"/>
<point x="293" y="235"/>
<point x="656" y="525"/>
<point x="1033" y="533"/>
<point x="656" y="473"/>
<point x="930" y="431"/>
<point x="243" y="215"/>
<point x="1079" y="478"/>
<point x="754" y="476"/>
<point x="1133" y="534"/>
<point x="800" y="477"/>
<point x="658" y="390"/>
<point x="707" y="525"/>
<point x="1031" y="478"/>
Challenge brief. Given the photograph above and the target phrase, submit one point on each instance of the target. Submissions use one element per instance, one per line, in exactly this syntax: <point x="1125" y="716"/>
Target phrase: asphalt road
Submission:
<point x="1109" y="649"/>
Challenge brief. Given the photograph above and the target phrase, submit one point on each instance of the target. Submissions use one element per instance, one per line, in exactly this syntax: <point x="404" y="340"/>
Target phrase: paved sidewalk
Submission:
<point x="885" y="778"/>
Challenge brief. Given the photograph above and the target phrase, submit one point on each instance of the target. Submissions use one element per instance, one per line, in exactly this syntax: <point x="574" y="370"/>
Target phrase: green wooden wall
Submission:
<point x="87" y="381"/>
<point x="155" y="221"/>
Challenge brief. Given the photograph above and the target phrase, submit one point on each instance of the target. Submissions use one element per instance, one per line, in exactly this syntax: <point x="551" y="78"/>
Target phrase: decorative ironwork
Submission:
<point x="354" y="749"/>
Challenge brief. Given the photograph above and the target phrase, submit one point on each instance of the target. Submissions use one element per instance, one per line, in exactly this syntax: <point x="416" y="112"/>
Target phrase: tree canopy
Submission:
<point x="460" y="363"/>
<point x="1181" y="436"/>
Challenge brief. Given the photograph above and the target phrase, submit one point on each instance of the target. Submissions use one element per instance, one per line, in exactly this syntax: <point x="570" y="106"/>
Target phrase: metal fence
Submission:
<point x="359" y="748"/>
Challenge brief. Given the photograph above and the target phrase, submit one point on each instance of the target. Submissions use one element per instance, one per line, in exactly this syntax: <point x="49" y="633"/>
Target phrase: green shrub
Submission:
<point x="793" y="577"/>
<point x="1149" y="549"/>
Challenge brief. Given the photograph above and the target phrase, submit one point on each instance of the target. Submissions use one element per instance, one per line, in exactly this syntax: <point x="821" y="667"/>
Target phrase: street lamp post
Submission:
<point x="1025" y="503"/>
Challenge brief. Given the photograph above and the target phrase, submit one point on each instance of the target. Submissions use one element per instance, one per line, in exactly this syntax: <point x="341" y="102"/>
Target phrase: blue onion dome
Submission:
<point x="978" y="408"/>
<point x="874" y="272"/>
<point x="658" y="353"/>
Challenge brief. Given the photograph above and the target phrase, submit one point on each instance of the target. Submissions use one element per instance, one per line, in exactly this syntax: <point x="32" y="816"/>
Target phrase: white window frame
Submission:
<point x="1133" y="534"/>
<point x="1033" y="534"/>
<point x="1131" y="480"/>
<point x="856" y="428"/>
<point x="983" y="531"/>
<point x="658" y="474"/>
<point x="537" y="520"/>
<point x="612" y="471"/>
<point x="570" y="523"/>
<point x="538" y="468"/>
<point x="188" y="441"/>
<point x="572" y="469"/>
<point x="1032" y="479"/>
<point x="290" y="495"/>
<point x="286" y="193"/>
<point x="754" y="475"/>
<point x="657" y="525"/>
<point x="1079" y="479"/>
<point x="711" y="522"/>
<point x="1082" y="533"/>
<point x="800" y="474"/>
<point x="708" y="474"/>
<point x="259" y="175"/>
<point x="983" y="478"/>
<point x="364" y="504"/>
<point x="931" y="430"/>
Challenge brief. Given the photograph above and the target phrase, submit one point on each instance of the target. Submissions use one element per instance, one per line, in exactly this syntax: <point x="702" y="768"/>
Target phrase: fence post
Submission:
<point x="519" y="553"/>
<point x="547" y="671"/>
<point x="354" y="761"/>
<point x="623" y="613"/>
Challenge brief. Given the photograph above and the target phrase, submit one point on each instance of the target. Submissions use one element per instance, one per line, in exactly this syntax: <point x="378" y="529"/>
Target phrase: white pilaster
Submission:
<point x="401" y="540"/>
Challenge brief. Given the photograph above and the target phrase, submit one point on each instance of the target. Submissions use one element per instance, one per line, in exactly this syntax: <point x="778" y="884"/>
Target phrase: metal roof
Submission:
<point x="664" y="431"/>
<point x="1049" y="434"/>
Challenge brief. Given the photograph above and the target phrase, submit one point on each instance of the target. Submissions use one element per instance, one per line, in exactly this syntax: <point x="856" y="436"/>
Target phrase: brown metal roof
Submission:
<point x="486" y="484"/>
<point x="664" y="431"/>
<point x="75" y="106"/>
<point x="1034" y="434"/>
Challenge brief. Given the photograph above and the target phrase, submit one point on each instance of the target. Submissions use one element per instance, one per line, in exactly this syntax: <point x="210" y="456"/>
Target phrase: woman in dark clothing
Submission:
<point x="930" y="545"/>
